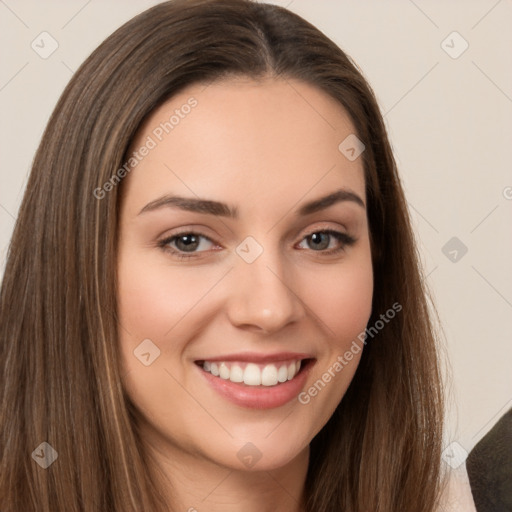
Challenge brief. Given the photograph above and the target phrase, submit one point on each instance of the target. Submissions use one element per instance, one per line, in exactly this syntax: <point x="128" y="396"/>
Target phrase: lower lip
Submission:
<point x="259" y="397"/>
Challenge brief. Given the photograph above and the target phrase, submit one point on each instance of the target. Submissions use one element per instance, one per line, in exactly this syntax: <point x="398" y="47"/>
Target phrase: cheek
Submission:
<point x="160" y="303"/>
<point x="341" y="298"/>
<point x="153" y="299"/>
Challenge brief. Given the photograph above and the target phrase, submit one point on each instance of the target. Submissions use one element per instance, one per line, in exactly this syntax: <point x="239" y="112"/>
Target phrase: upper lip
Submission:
<point x="254" y="357"/>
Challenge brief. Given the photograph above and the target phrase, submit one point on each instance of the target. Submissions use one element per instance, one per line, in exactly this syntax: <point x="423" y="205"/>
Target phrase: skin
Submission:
<point x="265" y="147"/>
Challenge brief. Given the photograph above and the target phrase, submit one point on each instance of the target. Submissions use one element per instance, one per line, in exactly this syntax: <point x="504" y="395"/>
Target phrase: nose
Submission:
<point x="264" y="298"/>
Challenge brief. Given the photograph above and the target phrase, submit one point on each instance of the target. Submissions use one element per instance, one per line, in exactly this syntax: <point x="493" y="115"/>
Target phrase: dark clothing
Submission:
<point x="489" y="467"/>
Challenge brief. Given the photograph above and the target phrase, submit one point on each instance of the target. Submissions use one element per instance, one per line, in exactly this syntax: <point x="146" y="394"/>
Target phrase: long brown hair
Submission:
<point x="60" y="374"/>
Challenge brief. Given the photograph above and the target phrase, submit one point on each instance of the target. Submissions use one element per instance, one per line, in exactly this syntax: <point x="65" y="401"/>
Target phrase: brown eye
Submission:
<point x="187" y="242"/>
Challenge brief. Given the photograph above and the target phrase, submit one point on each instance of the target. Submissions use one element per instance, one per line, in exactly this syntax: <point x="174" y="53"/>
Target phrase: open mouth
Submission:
<point x="254" y="374"/>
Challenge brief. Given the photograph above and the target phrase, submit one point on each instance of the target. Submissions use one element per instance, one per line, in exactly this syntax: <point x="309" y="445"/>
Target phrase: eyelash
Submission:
<point x="345" y="240"/>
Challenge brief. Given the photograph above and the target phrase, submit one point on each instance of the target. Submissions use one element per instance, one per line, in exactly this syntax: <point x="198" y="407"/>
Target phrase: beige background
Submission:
<point x="450" y="122"/>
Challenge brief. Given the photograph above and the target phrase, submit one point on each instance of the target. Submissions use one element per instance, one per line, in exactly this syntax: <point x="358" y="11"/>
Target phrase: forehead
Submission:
<point x="242" y="140"/>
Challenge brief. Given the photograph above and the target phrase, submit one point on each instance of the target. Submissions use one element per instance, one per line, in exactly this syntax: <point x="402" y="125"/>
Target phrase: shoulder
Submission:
<point x="457" y="495"/>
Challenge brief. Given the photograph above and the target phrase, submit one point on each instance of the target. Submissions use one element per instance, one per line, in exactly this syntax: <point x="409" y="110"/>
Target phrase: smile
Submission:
<point x="258" y="382"/>
<point x="252" y="374"/>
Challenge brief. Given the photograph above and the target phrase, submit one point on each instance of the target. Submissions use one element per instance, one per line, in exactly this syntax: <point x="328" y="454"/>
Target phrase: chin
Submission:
<point x="259" y="454"/>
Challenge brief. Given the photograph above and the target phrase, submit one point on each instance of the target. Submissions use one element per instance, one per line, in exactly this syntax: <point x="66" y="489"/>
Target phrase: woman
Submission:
<point x="212" y="299"/>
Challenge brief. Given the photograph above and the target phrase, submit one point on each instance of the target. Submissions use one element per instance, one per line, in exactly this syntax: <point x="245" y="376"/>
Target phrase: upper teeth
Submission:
<point x="254" y="374"/>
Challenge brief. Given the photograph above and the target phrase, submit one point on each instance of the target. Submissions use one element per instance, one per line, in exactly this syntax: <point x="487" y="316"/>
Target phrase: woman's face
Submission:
<point x="243" y="249"/>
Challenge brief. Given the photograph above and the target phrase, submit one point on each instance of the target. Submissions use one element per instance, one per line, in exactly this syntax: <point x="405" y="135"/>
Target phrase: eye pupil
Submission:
<point x="187" y="242"/>
<point x="319" y="240"/>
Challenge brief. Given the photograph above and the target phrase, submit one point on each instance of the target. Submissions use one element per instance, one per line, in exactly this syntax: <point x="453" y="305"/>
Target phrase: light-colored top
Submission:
<point x="457" y="496"/>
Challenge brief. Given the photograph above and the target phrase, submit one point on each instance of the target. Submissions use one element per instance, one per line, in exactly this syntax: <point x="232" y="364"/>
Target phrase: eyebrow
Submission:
<point x="207" y="206"/>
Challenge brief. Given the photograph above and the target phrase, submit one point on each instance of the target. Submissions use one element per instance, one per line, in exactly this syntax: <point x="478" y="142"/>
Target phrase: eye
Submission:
<point x="328" y="241"/>
<point x="186" y="242"/>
